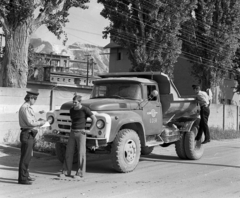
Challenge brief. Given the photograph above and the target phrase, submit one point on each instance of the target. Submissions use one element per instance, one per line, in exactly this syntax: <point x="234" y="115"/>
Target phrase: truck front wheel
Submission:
<point x="194" y="149"/>
<point x="125" y="151"/>
<point x="60" y="149"/>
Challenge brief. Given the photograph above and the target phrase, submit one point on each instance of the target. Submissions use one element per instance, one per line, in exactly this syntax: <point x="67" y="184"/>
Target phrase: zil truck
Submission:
<point x="135" y="112"/>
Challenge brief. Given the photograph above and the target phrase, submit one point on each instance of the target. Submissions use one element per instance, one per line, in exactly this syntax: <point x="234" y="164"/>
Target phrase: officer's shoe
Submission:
<point x="61" y="175"/>
<point x="25" y="182"/>
<point x="30" y="179"/>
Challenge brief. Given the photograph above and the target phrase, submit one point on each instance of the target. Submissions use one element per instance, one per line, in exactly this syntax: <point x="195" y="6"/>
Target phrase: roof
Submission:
<point x="112" y="45"/>
<point x="164" y="82"/>
<point x="125" y="79"/>
<point x="148" y="75"/>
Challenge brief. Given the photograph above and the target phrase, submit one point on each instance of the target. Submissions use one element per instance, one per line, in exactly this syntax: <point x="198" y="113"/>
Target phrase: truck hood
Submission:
<point x="105" y="104"/>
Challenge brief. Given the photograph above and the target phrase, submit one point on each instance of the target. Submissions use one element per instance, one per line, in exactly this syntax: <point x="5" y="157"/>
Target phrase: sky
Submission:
<point x="84" y="26"/>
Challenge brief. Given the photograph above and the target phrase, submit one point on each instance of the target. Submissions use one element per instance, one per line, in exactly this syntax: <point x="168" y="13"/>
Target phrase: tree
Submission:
<point x="19" y="19"/>
<point x="210" y="39"/>
<point x="148" y="30"/>
<point x="236" y="71"/>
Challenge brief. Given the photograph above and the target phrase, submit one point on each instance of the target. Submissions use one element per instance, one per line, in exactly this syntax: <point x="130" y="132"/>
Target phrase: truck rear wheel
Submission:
<point x="60" y="149"/>
<point x="146" y="150"/>
<point x="180" y="147"/>
<point x="194" y="149"/>
<point x="125" y="151"/>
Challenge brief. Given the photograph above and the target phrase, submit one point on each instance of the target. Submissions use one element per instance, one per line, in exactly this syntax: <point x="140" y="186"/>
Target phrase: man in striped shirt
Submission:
<point x="203" y="100"/>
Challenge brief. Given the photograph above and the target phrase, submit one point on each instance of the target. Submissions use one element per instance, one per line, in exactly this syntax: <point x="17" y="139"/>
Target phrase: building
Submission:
<point x="61" y="70"/>
<point x="222" y="94"/>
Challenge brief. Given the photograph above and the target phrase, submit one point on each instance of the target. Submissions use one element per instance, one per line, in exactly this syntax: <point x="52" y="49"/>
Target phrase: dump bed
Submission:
<point x="173" y="105"/>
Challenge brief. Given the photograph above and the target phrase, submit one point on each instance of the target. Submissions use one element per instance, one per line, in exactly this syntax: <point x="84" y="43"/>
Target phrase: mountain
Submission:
<point x="76" y="51"/>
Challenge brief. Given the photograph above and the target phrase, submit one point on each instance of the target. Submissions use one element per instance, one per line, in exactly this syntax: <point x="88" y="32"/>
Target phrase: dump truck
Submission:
<point x="135" y="112"/>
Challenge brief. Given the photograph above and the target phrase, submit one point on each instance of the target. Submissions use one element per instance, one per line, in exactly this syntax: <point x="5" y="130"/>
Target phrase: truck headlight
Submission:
<point x="100" y="124"/>
<point x="50" y="119"/>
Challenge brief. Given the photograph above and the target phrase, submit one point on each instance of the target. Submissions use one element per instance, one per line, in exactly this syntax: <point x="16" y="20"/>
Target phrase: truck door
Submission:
<point x="152" y="111"/>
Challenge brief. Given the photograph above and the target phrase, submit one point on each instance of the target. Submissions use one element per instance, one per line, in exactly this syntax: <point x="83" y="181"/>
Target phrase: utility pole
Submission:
<point x="87" y="67"/>
<point x="89" y="62"/>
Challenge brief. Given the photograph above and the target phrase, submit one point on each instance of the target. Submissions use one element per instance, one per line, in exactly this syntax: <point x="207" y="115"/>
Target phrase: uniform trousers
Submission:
<point x="77" y="138"/>
<point x="27" y="140"/>
<point x="203" y="125"/>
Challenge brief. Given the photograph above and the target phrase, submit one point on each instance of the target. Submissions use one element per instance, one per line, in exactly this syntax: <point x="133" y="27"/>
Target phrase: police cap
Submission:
<point x="32" y="93"/>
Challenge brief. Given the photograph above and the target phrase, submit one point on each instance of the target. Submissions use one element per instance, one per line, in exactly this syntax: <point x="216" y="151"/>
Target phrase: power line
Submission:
<point x="203" y="38"/>
<point x="126" y="38"/>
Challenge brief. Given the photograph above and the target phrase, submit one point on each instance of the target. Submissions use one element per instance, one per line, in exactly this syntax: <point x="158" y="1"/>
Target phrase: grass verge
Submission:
<point x="219" y="134"/>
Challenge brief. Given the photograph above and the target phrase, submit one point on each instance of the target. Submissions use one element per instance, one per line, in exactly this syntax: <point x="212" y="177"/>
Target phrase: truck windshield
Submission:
<point x="117" y="90"/>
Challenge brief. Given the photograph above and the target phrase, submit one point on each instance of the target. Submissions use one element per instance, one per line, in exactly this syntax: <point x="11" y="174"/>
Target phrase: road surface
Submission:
<point x="161" y="174"/>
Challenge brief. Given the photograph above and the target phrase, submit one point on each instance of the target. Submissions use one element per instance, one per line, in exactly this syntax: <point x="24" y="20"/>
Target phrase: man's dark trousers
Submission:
<point x="26" y="140"/>
<point x="203" y="125"/>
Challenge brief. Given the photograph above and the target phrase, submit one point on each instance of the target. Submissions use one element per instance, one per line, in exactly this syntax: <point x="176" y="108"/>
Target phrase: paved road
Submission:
<point x="161" y="174"/>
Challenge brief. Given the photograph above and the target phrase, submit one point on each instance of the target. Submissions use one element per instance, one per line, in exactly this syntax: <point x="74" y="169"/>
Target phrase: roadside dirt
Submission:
<point x="161" y="174"/>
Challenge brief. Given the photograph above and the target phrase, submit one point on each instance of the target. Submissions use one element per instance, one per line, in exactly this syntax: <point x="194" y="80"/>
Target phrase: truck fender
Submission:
<point x="132" y="121"/>
<point x="189" y="124"/>
<point x="132" y="117"/>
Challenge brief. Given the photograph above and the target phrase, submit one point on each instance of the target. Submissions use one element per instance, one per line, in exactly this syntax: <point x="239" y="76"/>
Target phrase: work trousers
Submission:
<point x="76" y="138"/>
<point x="203" y="125"/>
<point x="27" y="141"/>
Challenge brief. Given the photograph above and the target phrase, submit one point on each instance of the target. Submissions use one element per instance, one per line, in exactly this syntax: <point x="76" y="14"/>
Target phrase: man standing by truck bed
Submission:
<point x="203" y="99"/>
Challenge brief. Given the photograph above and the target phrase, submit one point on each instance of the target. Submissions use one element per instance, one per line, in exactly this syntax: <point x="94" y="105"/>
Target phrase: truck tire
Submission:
<point x="180" y="148"/>
<point x="194" y="149"/>
<point x="60" y="149"/>
<point x="146" y="150"/>
<point x="125" y="152"/>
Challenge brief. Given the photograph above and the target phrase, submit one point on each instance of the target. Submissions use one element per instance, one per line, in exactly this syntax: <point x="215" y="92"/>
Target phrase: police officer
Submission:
<point x="28" y="124"/>
<point x="204" y="101"/>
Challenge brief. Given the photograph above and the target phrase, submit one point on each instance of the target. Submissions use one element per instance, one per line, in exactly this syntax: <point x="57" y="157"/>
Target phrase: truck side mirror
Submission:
<point x="153" y="94"/>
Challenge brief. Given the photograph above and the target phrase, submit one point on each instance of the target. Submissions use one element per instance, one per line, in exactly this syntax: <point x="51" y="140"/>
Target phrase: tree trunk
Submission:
<point x="14" y="69"/>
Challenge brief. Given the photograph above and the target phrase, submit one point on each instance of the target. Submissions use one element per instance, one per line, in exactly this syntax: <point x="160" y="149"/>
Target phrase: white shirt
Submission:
<point x="27" y="117"/>
<point x="202" y="98"/>
<point x="210" y="95"/>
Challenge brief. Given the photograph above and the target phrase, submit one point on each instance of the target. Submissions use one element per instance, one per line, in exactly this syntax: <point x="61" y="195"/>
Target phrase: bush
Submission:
<point x="42" y="146"/>
<point x="220" y="134"/>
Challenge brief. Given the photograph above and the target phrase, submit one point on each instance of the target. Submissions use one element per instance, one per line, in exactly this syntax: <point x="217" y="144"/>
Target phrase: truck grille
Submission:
<point x="61" y="126"/>
<point x="64" y="122"/>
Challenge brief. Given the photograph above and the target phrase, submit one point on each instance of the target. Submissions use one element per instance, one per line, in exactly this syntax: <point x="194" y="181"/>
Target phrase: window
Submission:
<point x="150" y="88"/>
<point x="118" y="90"/>
<point x="119" y="56"/>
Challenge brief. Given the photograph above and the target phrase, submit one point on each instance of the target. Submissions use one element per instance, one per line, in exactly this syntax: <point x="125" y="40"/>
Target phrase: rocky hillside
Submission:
<point x="76" y="51"/>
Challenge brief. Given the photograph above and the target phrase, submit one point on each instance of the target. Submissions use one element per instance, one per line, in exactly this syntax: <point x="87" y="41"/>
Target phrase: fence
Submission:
<point x="11" y="100"/>
<point x="221" y="116"/>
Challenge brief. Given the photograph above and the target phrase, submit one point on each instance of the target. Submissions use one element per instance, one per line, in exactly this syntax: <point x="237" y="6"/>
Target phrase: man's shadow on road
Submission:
<point x="8" y="180"/>
<point x="50" y="165"/>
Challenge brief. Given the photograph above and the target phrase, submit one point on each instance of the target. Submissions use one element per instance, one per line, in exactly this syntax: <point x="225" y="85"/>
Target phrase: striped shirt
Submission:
<point x="202" y="98"/>
<point x="27" y="117"/>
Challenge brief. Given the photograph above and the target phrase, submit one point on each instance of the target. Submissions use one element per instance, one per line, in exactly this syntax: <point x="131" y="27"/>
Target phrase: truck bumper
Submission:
<point x="90" y="142"/>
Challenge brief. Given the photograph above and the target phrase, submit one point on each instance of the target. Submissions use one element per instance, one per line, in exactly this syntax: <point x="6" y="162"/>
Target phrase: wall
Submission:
<point x="115" y="65"/>
<point x="11" y="100"/>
